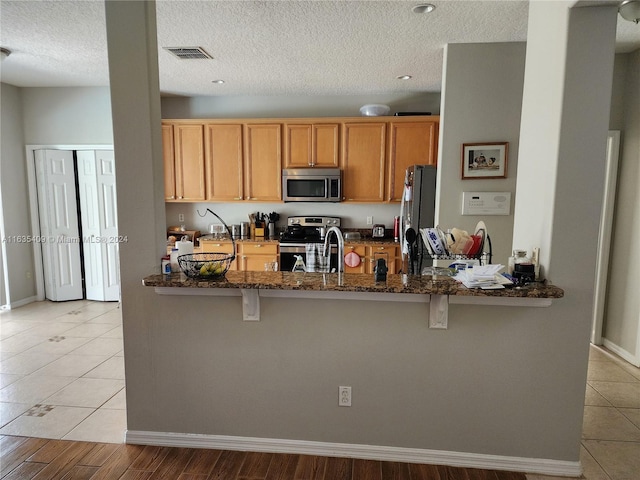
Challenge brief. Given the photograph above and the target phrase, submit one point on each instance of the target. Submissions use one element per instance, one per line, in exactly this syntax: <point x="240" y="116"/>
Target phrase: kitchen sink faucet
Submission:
<point x="327" y="247"/>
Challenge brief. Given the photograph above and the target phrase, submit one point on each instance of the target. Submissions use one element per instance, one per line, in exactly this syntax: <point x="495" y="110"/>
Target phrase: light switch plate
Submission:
<point x="486" y="203"/>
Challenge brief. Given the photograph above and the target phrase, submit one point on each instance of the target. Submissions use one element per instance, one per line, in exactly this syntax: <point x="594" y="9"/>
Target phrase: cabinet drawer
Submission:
<point x="353" y="247"/>
<point x="213" y="246"/>
<point x="391" y="250"/>
<point x="255" y="263"/>
<point x="258" y="248"/>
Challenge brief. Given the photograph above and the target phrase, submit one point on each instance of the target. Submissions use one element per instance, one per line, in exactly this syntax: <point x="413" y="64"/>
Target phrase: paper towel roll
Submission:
<point x="185" y="247"/>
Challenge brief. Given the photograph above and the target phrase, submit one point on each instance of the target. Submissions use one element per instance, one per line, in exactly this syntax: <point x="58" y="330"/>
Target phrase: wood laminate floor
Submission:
<point x="25" y="458"/>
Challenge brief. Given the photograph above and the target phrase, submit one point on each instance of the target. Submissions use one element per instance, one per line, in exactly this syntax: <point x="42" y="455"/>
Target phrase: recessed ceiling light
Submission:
<point x="217" y="81"/>
<point x="424" y="8"/>
<point x="404" y="77"/>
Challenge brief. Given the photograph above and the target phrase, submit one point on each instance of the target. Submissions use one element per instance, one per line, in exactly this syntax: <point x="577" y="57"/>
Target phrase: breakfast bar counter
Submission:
<point x="437" y="291"/>
<point x="348" y="282"/>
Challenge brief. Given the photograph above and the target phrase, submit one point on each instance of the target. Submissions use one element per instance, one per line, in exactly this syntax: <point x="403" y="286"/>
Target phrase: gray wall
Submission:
<point x="482" y="98"/>
<point x="69" y="115"/>
<point x="15" y="200"/>
<point x="294" y="106"/>
<point x="41" y="116"/>
<point x="622" y="315"/>
<point x="505" y="381"/>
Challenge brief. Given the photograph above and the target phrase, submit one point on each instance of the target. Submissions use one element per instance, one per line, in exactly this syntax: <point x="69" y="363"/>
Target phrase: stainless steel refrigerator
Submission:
<point x="417" y="210"/>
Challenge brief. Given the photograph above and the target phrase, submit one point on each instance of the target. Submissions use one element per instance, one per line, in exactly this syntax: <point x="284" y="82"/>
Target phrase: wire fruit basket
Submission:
<point x="205" y="265"/>
<point x="208" y="266"/>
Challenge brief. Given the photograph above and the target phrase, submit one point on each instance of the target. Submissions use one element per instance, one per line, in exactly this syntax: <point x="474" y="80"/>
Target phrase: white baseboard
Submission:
<point x="23" y="302"/>
<point x="372" y="452"/>
<point x="621" y="352"/>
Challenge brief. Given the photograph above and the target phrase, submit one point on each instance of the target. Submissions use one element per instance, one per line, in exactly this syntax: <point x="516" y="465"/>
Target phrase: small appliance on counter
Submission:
<point x="378" y="231"/>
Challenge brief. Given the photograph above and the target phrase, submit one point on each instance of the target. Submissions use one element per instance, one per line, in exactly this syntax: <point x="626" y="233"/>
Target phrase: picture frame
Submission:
<point x="484" y="160"/>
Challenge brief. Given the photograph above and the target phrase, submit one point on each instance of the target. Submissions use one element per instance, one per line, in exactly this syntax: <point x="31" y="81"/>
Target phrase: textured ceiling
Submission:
<point x="265" y="47"/>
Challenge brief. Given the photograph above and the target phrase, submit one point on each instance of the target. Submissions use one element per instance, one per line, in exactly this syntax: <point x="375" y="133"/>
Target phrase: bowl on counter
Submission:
<point x="352" y="236"/>
<point x="206" y="266"/>
<point x="374" y="110"/>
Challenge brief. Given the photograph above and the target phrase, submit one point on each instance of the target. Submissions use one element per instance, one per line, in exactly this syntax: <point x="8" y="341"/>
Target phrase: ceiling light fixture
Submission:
<point x="424" y="8"/>
<point x="630" y="10"/>
<point x="217" y="81"/>
<point x="4" y="53"/>
<point x="404" y="77"/>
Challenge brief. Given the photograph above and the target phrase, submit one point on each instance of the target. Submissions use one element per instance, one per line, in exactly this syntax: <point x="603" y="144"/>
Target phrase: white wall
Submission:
<point x="622" y="314"/>
<point x="18" y="257"/>
<point x="481" y="102"/>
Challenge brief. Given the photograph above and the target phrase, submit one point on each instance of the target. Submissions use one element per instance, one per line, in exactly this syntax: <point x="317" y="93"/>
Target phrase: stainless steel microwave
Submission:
<point x="311" y="185"/>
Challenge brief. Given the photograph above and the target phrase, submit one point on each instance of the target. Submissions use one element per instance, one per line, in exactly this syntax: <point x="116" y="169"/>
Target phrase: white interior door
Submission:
<point x="98" y="213"/>
<point x="604" y="235"/>
<point x="59" y="224"/>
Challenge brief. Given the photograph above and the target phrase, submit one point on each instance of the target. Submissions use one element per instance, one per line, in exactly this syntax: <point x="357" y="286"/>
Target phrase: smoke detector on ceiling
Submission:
<point x="188" y="53"/>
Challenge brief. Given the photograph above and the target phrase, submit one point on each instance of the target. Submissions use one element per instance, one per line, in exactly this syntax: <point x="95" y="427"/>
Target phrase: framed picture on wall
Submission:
<point x="484" y="160"/>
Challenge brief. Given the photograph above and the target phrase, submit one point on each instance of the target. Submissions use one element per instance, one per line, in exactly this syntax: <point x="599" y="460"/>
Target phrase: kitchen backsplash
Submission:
<point x="354" y="216"/>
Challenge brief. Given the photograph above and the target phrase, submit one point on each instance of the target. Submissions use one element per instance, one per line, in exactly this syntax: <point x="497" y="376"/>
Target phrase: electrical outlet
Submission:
<point x="28" y="274"/>
<point x="369" y="220"/>
<point x="181" y="217"/>
<point x="344" y="396"/>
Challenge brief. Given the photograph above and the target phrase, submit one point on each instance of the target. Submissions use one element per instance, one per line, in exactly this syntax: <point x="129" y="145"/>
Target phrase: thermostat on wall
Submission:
<point x="486" y="203"/>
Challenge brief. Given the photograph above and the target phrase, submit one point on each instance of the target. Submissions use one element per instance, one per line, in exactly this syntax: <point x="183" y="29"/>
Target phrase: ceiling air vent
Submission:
<point x="188" y="53"/>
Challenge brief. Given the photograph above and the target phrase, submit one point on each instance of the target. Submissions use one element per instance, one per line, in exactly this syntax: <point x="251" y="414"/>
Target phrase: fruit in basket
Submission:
<point x="218" y="269"/>
<point x="204" y="271"/>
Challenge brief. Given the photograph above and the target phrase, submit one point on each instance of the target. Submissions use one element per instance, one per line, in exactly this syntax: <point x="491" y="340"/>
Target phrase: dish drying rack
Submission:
<point x="484" y="253"/>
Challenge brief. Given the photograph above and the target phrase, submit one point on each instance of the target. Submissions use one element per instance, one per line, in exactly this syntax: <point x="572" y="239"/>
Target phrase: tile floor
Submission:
<point x="62" y="376"/>
<point x="62" y="371"/>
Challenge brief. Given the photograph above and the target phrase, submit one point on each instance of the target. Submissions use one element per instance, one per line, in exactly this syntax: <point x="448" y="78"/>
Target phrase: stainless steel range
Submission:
<point x="302" y="230"/>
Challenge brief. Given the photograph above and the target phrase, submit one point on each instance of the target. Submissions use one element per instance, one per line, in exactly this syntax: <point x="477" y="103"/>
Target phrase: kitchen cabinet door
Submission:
<point x="363" y="161"/>
<point x="224" y="162"/>
<point x="263" y="162"/>
<point x="414" y="143"/>
<point x="169" y="163"/>
<point x="311" y="145"/>
<point x="388" y="252"/>
<point x="359" y="250"/>
<point x="189" y="161"/>
<point x="253" y="255"/>
<point x="214" y="246"/>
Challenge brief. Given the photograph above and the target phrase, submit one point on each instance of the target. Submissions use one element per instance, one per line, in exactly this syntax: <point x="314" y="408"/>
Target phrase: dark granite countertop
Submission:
<point x="351" y="282"/>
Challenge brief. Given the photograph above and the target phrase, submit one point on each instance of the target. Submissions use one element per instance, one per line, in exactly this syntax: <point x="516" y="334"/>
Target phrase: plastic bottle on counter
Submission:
<point x="166" y="264"/>
<point x="173" y="259"/>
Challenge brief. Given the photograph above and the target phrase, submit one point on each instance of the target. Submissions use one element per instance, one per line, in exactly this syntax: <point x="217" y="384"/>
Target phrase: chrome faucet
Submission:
<point x="327" y="247"/>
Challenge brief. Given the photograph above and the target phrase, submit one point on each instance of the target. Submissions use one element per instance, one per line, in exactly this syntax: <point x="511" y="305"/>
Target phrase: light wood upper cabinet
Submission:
<point x="263" y="162"/>
<point x="242" y="159"/>
<point x="188" y="140"/>
<point x="224" y="162"/>
<point x="412" y="143"/>
<point x="169" y="163"/>
<point x="311" y="145"/>
<point x="363" y="161"/>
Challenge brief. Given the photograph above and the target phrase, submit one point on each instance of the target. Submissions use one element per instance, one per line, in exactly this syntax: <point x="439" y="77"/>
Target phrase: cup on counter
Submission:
<point x="271" y="267"/>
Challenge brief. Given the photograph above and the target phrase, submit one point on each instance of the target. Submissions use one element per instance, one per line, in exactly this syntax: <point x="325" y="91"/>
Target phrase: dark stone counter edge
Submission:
<point x="352" y="282"/>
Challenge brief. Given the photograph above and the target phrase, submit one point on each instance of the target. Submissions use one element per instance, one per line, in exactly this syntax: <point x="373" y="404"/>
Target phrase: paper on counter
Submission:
<point x="483" y="276"/>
